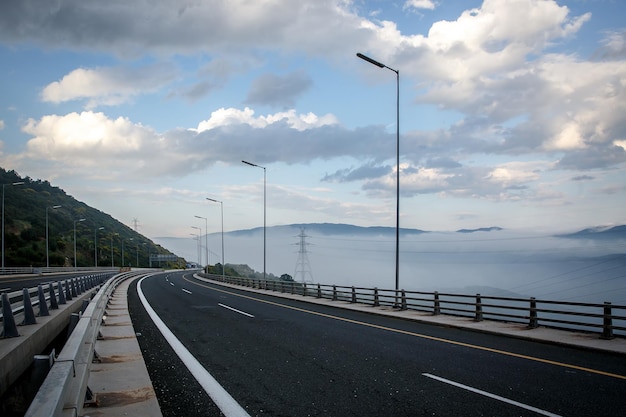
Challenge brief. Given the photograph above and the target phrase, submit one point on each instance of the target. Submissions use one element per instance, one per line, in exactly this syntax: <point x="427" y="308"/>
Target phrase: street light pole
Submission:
<point x="381" y="65"/>
<point x="47" y="256"/>
<point x="95" y="245"/>
<point x="222" y="210"/>
<point x="76" y="221"/>
<point x="196" y="237"/>
<point x="13" y="183"/>
<point x="264" y="214"/>
<point x="199" y="246"/>
<point x="206" y="236"/>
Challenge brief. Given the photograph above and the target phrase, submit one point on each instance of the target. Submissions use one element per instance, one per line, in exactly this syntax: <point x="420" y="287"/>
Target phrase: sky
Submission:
<point x="511" y="111"/>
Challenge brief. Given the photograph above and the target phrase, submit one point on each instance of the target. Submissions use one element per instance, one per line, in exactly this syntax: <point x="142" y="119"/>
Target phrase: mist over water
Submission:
<point x="499" y="263"/>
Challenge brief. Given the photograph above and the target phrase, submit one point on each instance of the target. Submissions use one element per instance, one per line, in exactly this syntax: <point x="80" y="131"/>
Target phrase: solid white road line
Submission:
<point x="187" y="291"/>
<point x="218" y="394"/>
<point x="235" y="310"/>
<point x="494" y="396"/>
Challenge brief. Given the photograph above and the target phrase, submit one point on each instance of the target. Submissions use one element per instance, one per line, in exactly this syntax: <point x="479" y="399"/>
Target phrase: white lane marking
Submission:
<point x="235" y="310"/>
<point x="187" y="291"/>
<point x="172" y="284"/>
<point x="225" y="402"/>
<point x="494" y="396"/>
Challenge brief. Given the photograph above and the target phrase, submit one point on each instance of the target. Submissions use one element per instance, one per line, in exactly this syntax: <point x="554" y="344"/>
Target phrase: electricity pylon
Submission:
<point x="303" y="267"/>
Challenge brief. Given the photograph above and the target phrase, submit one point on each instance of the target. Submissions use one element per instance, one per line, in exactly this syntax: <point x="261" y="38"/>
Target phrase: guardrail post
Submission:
<point x="376" y="300"/>
<point x="53" y="298"/>
<point x="533" y="324"/>
<point x="334" y="293"/>
<point x="29" y="313"/>
<point x="319" y="291"/>
<point x="43" y="305"/>
<point x="353" y="295"/>
<point x="304" y="289"/>
<point x="479" y="309"/>
<point x="68" y="291"/>
<point x="403" y="302"/>
<point x="607" y="325"/>
<point x="73" y="287"/>
<point x="437" y="307"/>
<point x="61" y="293"/>
<point x="8" y="321"/>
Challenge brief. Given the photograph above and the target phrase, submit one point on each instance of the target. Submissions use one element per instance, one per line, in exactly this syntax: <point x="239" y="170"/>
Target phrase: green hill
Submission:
<point x="25" y="207"/>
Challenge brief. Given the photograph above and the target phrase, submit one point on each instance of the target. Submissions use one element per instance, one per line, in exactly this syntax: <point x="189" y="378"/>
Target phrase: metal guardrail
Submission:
<point x="607" y="318"/>
<point x="19" y="305"/>
<point x="65" y="388"/>
<point x="37" y="270"/>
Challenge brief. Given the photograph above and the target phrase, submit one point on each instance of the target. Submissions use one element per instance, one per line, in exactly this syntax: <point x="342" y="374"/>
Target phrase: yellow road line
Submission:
<point x="422" y="336"/>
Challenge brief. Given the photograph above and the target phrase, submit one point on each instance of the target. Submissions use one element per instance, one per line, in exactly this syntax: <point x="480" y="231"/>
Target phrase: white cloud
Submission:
<point x="1" y="124"/>
<point x="231" y="116"/>
<point x="107" y="86"/>
<point x="420" y="4"/>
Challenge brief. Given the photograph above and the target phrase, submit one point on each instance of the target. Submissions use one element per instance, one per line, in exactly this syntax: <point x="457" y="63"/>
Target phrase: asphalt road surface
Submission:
<point x="279" y="357"/>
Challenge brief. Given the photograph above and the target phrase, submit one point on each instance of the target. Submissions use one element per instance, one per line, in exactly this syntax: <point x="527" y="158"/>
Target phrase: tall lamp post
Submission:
<point x="196" y="237"/>
<point x="47" y="256"/>
<point x="112" y="260"/>
<point x="222" y="210"/>
<point x="264" y="213"/>
<point x="76" y="221"/>
<point x="95" y="245"/>
<point x="12" y="183"/>
<point x="380" y="65"/>
<point x="206" y="236"/>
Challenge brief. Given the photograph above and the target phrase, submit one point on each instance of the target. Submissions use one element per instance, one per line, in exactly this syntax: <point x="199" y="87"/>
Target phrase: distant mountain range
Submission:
<point x="352" y="230"/>
<point x="600" y="232"/>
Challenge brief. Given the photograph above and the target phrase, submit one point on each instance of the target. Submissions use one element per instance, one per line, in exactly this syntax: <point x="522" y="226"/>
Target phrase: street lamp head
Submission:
<point x="370" y="60"/>
<point x="56" y="207"/>
<point x="100" y="228"/>
<point x="213" y="200"/>
<point x="249" y="163"/>
<point x="18" y="183"/>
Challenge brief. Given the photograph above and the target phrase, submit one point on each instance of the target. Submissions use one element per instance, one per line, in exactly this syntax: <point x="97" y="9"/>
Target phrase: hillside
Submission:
<point x="25" y="208"/>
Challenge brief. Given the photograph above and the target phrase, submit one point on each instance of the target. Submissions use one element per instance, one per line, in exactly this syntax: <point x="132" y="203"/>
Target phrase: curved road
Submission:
<point x="282" y="357"/>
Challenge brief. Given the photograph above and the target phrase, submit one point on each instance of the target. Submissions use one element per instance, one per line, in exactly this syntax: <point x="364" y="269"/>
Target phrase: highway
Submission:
<point x="282" y="357"/>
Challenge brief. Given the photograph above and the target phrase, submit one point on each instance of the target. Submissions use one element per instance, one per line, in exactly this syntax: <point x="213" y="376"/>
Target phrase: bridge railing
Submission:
<point x="18" y="307"/>
<point x="607" y="319"/>
<point x="39" y="270"/>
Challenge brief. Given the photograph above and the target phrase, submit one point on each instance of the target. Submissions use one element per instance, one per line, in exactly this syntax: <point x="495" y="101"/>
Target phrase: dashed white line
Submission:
<point x="490" y="395"/>
<point x="235" y="310"/>
<point x="187" y="291"/>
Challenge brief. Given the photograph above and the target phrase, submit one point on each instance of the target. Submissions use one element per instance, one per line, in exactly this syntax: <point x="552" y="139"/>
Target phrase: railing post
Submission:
<point x="53" y="299"/>
<point x="607" y="325"/>
<point x="61" y="293"/>
<point x="68" y="291"/>
<point x="334" y="293"/>
<point x="437" y="308"/>
<point x="319" y="291"/>
<point x="479" y="309"/>
<point x="376" y="300"/>
<point x="353" y="295"/>
<point x="43" y="305"/>
<point x="304" y="290"/>
<point x="29" y="313"/>
<point x="8" y="321"/>
<point x="533" y="324"/>
<point x="403" y="302"/>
